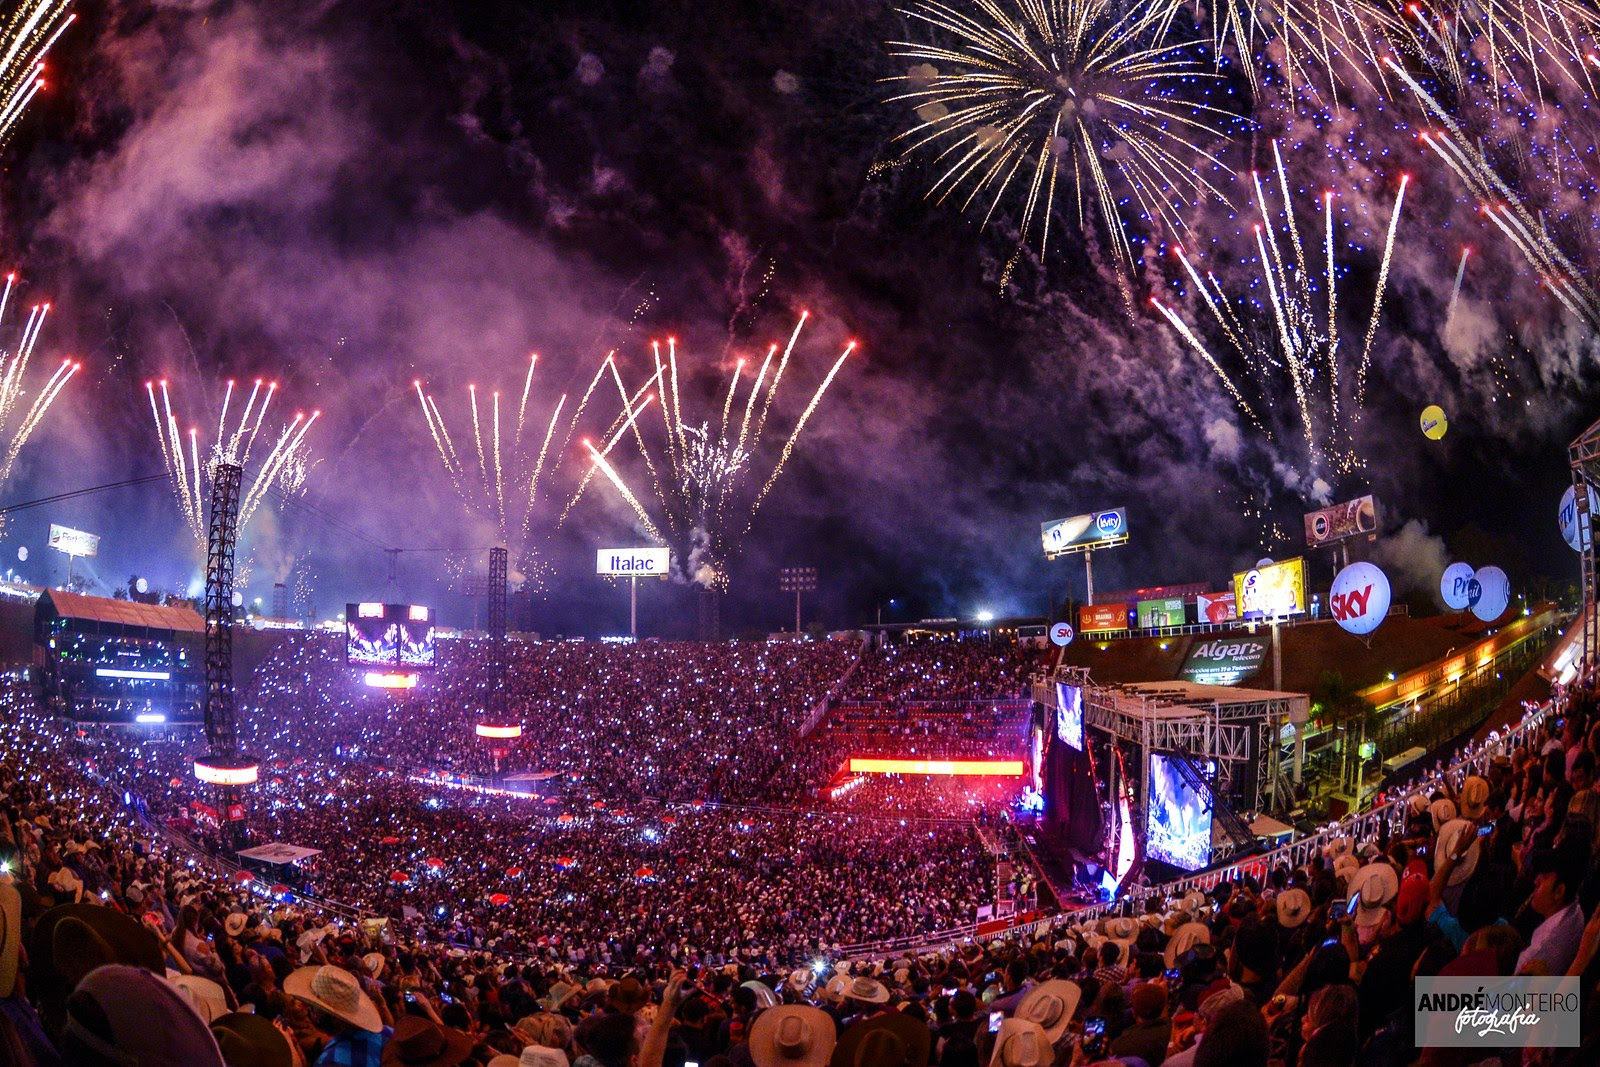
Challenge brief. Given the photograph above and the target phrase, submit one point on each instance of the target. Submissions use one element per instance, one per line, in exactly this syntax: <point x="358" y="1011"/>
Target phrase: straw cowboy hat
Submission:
<point x="1123" y="929"/>
<point x="792" y="1034"/>
<point x="1293" y="905"/>
<point x="1021" y="1043"/>
<point x="1458" y="838"/>
<point x="1050" y="1006"/>
<point x="336" y="992"/>
<point x="1339" y="846"/>
<point x="1183" y="939"/>
<point x="234" y="924"/>
<point x="1345" y="868"/>
<point x="1442" y="811"/>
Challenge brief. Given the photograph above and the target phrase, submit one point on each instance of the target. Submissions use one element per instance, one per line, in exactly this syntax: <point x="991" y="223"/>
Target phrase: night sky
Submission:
<point x="348" y="196"/>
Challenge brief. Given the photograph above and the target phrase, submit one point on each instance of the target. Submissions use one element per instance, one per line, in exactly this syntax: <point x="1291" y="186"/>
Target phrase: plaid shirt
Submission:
<point x="355" y="1048"/>
<point x="1113" y="975"/>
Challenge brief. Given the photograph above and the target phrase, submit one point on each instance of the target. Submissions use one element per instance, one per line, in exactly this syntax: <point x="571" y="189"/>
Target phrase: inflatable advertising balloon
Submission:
<point x="1359" y="599"/>
<point x="1494" y="593"/>
<point x="1456" y="586"/>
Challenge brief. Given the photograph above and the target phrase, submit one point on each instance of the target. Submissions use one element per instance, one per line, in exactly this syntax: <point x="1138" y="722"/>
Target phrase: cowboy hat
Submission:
<point x="559" y="994"/>
<point x="1123" y="929"/>
<point x="869" y="990"/>
<point x="419" y="1042"/>
<point x="1372" y="890"/>
<point x="234" y="924"/>
<point x="1021" y="1043"/>
<point x="1345" y="868"/>
<point x="1339" y="846"/>
<point x="1185" y="938"/>
<point x="1442" y="811"/>
<point x="336" y="992"/>
<point x="537" y="1056"/>
<point x="251" y="1041"/>
<point x="204" y="996"/>
<point x="1458" y="838"/>
<point x="765" y="997"/>
<point x="374" y="963"/>
<point x="792" y="1034"/>
<point x="1293" y="906"/>
<point x="1050" y="1006"/>
<point x="891" y="1040"/>
<point x="10" y="937"/>
<point x="1474" y="797"/>
<point x="128" y="1015"/>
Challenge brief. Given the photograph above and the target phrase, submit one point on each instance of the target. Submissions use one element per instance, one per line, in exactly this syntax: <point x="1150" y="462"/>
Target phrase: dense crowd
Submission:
<point x="932" y="669"/>
<point x="674" y="720"/>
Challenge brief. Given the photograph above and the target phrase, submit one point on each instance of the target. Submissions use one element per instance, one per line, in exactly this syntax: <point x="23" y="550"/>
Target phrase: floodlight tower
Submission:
<point x="1583" y="455"/>
<point x="223" y="765"/>
<point x="498" y="725"/>
<point x="797" y="580"/>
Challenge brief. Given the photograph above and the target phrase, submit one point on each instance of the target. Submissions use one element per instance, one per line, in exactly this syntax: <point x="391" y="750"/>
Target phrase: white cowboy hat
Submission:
<point x="204" y="996"/>
<point x="1293" y="905"/>
<point x="1185" y="938"/>
<point x="1442" y="811"/>
<point x="1458" y="838"/>
<point x="1372" y="890"/>
<point x="1021" y="1043"/>
<point x="1050" y="1005"/>
<point x="792" y="1034"/>
<point x="868" y="990"/>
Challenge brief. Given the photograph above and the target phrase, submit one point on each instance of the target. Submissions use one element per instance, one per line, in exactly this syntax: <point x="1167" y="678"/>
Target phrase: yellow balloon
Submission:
<point x="1434" y="424"/>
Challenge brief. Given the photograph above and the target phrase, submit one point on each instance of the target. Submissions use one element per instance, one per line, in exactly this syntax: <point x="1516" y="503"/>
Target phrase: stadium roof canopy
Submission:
<point x="122" y="612"/>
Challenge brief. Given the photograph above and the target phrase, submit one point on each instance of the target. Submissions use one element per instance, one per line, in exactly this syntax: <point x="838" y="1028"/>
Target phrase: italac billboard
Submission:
<point x="1274" y="590"/>
<point x="1102" y="617"/>
<point x="633" y="562"/>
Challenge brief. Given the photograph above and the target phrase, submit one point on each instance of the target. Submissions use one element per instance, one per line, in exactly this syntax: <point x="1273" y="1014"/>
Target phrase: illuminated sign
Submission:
<point x="1100" y="617"/>
<point x="1216" y="608"/>
<point x="1271" y="591"/>
<point x="1009" y="768"/>
<point x="1225" y="660"/>
<point x="121" y="672"/>
<point x="483" y="729"/>
<point x="1342" y="521"/>
<point x="418" y="613"/>
<point x="150" y="717"/>
<point x="633" y="562"/>
<point x="383" y="680"/>
<point x="1083" y="533"/>
<point x="1156" y="614"/>
<point x="73" y="542"/>
<point x="369" y="611"/>
<point x="213" y="774"/>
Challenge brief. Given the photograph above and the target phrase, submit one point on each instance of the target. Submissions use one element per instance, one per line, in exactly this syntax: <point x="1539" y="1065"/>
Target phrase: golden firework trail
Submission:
<point x="507" y="464"/>
<point x="697" y="467"/>
<point x="1301" y="338"/>
<point x="284" y="467"/>
<point x="20" y="412"/>
<point x="1038" y="100"/>
<point x="30" y="31"/>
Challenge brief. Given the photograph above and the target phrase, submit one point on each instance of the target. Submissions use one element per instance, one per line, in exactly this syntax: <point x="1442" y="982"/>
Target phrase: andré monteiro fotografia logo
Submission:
<point x="1520" y="1012"/>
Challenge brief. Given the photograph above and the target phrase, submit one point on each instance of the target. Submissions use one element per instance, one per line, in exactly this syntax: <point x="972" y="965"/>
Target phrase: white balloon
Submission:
<point x="22" y="553"/>
<point x="1494" y="593"/>
<point x="1456" y="586"/>
<point x="1360" y="598"/>
<point x="1567" y="517"/>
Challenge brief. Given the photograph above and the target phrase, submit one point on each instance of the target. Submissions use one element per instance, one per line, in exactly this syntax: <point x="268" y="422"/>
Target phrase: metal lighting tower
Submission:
<point x="223" y="765"/>
<point x="497" y="725"/>
<point x="1584" y="457"/>
<point x="797" y="580"/>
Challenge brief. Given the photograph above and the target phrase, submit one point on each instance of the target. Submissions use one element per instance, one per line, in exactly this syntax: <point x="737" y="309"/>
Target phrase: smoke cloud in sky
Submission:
<point x="349" y="197"/>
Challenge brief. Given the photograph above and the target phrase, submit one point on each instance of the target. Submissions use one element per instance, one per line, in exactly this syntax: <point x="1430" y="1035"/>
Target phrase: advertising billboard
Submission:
<point x="1101" y="617"/>
<point x="633" y="562"/>
<point x="1341" y="522"/>
<point x="1069" y="715"/>
<point x="1157" y="614"/>
<point x="1226" y="659"/>
<point x="73" y="542"/>
<point x="1081" y="533"/>
<point x="397" y="636"/>
<point x="1274" y="590"/>
<point x="1177" y="818"/>
<point x="1216" y="608"/>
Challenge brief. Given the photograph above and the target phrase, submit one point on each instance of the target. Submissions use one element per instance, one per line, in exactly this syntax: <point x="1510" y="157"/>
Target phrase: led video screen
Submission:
<point x="389" y="635"/>
<point x="1177" y="818"/>
<point x="1069" y="715"/>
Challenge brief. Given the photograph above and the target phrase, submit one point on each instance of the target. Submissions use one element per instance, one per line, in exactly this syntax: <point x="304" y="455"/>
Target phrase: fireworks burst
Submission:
<point x="1301" y="341"/>
<point x="21" y="415"/>
<point x="1105" y="106"/>
<point x="508" y="463"/>
<point x="699" y="468"/>
<point x="30" y="32"/>
<point x="282" y="461"/>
